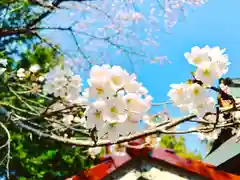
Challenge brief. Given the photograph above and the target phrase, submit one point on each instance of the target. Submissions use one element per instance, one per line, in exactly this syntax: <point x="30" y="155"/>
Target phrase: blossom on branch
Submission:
<point x="194" y="96"/>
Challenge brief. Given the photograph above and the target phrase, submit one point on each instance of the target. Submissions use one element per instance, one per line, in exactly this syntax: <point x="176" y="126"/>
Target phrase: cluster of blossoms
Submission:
<point x="3" y="64"/>
<point x="211" y="64"/>
<point x="33" y="75"/>
<point x="119" y="101"/>
<point x="116" y="101"/>
<point x="61" y="82"/>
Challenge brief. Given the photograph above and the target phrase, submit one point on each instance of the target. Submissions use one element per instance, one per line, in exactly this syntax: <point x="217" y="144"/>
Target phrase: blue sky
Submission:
<point x="214" y="24"/>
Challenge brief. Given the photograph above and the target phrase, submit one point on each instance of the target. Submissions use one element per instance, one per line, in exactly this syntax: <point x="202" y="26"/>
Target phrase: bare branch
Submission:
<point x="15" y="31"/>
<point x="54" y="5"/>
<point x="164" y="128"/>
<point x="8" y="147"/>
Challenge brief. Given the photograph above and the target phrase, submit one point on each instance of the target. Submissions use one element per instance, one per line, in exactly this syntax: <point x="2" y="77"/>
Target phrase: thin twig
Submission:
<point x="8" y="147"/>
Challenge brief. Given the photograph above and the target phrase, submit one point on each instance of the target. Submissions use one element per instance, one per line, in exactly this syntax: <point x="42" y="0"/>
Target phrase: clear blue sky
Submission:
<point x="215" y="24"/>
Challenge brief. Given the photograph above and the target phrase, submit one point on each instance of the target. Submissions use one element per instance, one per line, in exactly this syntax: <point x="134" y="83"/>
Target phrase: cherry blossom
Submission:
<point x="21" y="73"/>
<point x="178" y="94"/>
<point x="2" y="70"/>
<point x="113" y="131"/>
<point x="34" y="68"/>
<point x="197" y="56"/>
<point x="94" y="114"/>
<point x="194" y="97"/>
<point x="93" y="152"/>
<point x="207" y="72"/>
<point x="67" y="119"/>
<point x="115" y="111"/>
<point x="115" y="102"/>
<point x="3" y="62"/>
<point x="61" y="82"/>
<point x="209" y="105"/>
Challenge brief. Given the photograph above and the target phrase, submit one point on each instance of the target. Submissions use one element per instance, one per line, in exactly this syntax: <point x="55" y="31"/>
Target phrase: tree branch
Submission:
<point x="164" y="129"/>
<point x="54" y="4"/>
<point x="8" y="147"/>
<point x="15" y="31"/>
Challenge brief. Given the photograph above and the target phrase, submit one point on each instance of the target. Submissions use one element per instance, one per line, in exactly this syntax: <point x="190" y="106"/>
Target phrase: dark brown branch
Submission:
<point x="15" y="31"/>
<point x="55" y="4"/>
<point x="37" y="2"/>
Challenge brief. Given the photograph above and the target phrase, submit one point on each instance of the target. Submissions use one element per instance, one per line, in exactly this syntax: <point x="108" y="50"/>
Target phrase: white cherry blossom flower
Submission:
<point x="209" y="105"/>
<point x="149" y="99"/>
<point x="41" y="78"/>
<point x="100" y="72"/>
<point x="197" y="94"/>
<point x="67" y="119"/>
<point x="178" y="94"/>
<point x="93" y="152"/>
<point x="21" y="73"/>
<point x="34" y="68"/>
<point x="196" y="56"/>
<point x="74" y="87"/>
<point x="131" y="85"/>
<point x="136" y="104"/>
<point x="143" y="91"/>
<point x="60" y="92"/>
<point x="99" y="88"/>
<point x="113" y="131"/>
<point x="61" y="82"/>
<point x="221" y="60"/>
<point x="115" y="111"/>
<point x="207" y="72"/>
<point x="3" y="62"/>
<point x="118" y="77"/>
<point x="2" y="70"/>
<point x="94" y="114"/>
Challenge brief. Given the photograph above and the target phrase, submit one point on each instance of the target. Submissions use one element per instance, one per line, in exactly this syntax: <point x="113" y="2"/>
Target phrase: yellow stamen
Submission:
<point x="179" y="91"/>
<point x="196" y="92"/>
<point x="206" y="72"/>
<point x="99" y="90"/>
<point x="98" y="115"/>
<point x="116" y="80"/>
<point x="197" y="60"/>
<point x="113" y="110"/>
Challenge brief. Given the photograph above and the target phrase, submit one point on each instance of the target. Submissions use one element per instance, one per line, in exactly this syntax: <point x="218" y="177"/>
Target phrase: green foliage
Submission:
<point x="45" y="57"/>
<point x="38" y="158"/>
<point x="178" y="145"/>
<point x="16" y="14"/>
<point x="33" y="157"/>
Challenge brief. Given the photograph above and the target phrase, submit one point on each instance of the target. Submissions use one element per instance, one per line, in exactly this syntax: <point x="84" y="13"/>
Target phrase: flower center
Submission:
<point x="116" y="80"/>
<point x="179" y="91"/>
<point x="129" y="101"/>
<point x="100" y="91"/>
<point x="197" y="60"/>
<point x="113" y="110"/>
<point x="196" y="92"/>
<point x="98" y="115"/>
<point x="206" y="72"/>
<point x="112" y="125"/>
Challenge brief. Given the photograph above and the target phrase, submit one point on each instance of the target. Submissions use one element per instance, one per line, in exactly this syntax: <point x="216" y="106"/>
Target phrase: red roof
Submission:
<point x="112" y="162"/>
